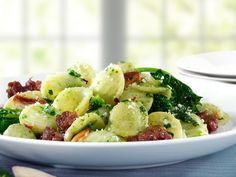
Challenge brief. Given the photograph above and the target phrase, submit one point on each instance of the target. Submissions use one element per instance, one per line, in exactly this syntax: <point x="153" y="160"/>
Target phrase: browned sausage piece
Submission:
<point x="65" y="120"/>
<point x="132" y="77"/>
<point x="16" y="87"/>
<point x="52" y="135"/>
<point x="152" y="133"/>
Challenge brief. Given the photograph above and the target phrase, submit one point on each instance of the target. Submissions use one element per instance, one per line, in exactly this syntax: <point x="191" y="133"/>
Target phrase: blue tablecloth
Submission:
<point x="221" y="164"/>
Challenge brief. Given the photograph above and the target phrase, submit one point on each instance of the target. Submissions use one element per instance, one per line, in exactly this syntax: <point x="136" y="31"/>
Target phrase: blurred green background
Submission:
<point x="40" y="36"/>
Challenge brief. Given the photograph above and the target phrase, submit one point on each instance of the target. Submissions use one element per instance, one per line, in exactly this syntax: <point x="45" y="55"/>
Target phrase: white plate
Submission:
<point x="115" y="155"/>
<point x="200" y="76"/>
<point x="215" y="64"/>
<point x="124" y="155"/>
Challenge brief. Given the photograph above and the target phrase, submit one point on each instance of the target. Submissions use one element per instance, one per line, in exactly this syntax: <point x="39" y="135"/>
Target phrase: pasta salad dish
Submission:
<point x="122" y="103"/>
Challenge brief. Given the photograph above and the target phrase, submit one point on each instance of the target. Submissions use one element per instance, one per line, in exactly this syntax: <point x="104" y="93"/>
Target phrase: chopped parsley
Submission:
<point x="50" y="92"/>
<point x="142" y="109"/>
<point x="74" y="73"/>
<point x="49" y="110"/>
<point x="91" y="124"/>
<point x="168" y="125"/>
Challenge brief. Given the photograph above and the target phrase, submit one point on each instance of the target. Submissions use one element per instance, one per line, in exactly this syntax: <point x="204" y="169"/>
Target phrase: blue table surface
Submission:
<point x="220" y="164"/>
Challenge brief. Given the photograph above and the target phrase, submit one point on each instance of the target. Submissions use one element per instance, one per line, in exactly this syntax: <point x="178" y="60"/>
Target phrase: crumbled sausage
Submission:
<point x="65" y="120"/>
<point x="151" y="133"/>
<point x="33" y="85"/>
<point x="210" y="119"/>
<point x="27" y="101"/>
<point x="52" y="135"/>
<point x="132" y="77"/>
<point x="16" y="87"/>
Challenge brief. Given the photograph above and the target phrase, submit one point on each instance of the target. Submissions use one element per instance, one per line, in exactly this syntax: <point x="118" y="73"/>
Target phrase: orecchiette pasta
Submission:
<point x="73" y="99"/>
<point x="149" y="85"/>
<point x="89" y="120"/>
<point x="86" y="71"/>
<point x="197" y="130"/>
<point x="56" y="83"/>
<point x="126" y="67"/>
<point x="29" y="97"/>
<point x="168" y="121"/>
<point x="145" y="98"/>
<point x="20" y="131"/>
<point x="103" y="136"/>
<point x="109" y="84"/>
<point x="223" y="117"/>
<point x="128" y="118"/>
<point x="120" y="103"/>
<point x="38" y="117"/>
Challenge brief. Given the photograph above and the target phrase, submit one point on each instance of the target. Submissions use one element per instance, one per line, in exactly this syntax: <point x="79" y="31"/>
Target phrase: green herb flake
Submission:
<point x="142" y="109"/>
<point x="49" y="110"/>
<point x="168" y="125"/>
<point x="50" y="92"/>
<point x="91" y="124"/>
<point x="72" y="72"/>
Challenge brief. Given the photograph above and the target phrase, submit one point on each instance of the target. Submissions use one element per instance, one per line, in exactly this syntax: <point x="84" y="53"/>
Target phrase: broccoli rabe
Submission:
<point x="183" y="100"/>
<point x="160" y="103"/>
<point x="8" y="117"/>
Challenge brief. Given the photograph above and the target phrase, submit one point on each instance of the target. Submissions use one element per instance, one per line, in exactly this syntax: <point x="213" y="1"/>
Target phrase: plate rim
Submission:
<point x="206" y="77"/>
<point x="214" y="136"/>
<point x="201" y="55"/>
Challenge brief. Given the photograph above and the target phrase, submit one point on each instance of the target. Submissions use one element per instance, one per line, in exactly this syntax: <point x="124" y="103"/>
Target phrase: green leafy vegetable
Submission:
<point x="95" y="103"/>
<point x="181" y="93"/>
<point x="161" y="103"/>
<point x="8" y="117"/>
<point x="183" y="100"/>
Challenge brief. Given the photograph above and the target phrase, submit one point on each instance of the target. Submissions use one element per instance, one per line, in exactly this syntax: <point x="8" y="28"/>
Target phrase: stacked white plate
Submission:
<point x="218" y="66"/>
<point x="212" y="76"/>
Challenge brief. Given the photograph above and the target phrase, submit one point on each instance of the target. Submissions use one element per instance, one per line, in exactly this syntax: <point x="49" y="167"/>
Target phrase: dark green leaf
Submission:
<point x="183" y="100"/>
<point x="8" y="117"/>
<point x="160" y="103"/>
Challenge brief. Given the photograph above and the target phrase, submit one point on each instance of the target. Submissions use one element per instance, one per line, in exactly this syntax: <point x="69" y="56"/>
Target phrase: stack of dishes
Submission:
<point x="217" y="66"/>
